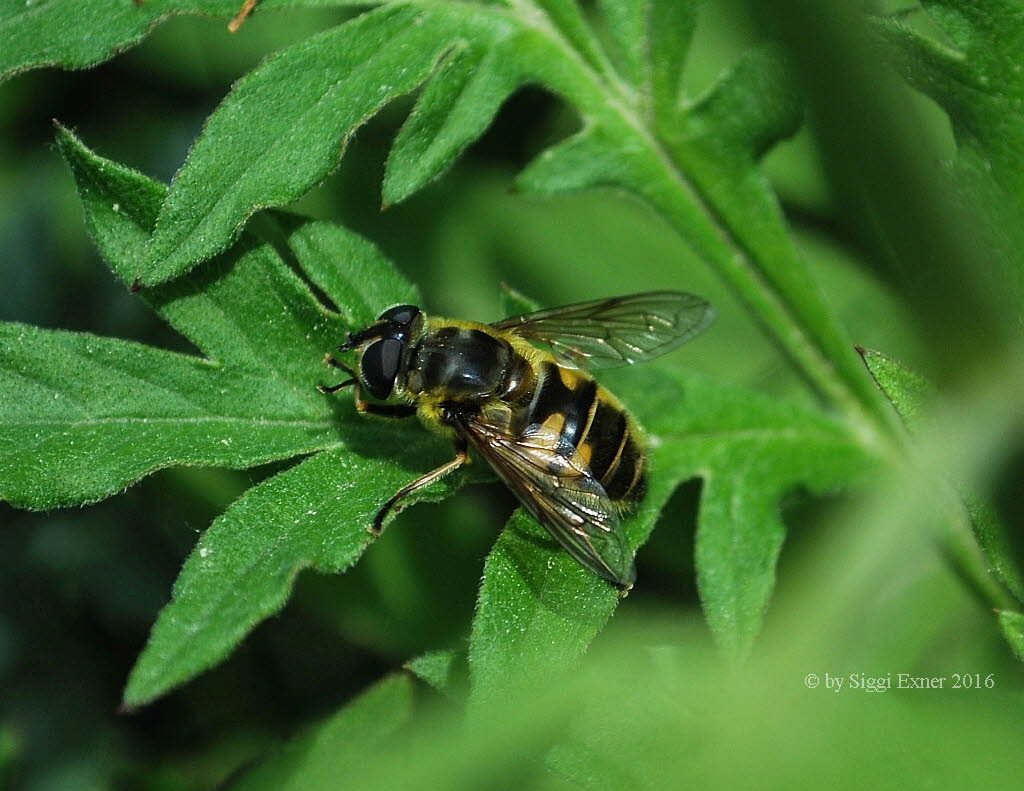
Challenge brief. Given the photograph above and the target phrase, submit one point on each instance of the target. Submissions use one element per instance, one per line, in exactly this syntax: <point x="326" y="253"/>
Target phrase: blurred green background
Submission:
<point x="80" y="588"/>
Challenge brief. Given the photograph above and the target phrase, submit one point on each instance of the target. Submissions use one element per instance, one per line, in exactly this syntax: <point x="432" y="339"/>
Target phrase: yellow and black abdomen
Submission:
<point x="589" y="425"/>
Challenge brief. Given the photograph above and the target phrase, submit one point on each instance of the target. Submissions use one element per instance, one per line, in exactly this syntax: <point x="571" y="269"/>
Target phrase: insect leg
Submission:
<point x="334" y="362"/>
<point x="461" y="458"/>
<point x="328" y="389"/>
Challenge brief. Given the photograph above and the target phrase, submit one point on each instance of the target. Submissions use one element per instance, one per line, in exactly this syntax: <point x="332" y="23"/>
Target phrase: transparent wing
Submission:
<point x="606" y="333"/>
<point x="565" y="498"/>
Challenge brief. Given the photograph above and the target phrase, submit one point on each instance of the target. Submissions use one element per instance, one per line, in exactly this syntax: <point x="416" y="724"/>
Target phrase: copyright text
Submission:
<point x="882" y="683"/>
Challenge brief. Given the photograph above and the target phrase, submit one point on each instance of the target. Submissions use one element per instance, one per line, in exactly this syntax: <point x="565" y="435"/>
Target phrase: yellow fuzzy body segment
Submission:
<point x="428" y="410"/>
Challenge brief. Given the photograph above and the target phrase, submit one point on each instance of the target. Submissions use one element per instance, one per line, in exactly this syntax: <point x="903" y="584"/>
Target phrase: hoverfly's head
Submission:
<point x="384" y="348"/>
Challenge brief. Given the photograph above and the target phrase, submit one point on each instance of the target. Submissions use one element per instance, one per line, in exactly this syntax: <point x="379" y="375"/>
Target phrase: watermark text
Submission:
<point x="868" y="682"/>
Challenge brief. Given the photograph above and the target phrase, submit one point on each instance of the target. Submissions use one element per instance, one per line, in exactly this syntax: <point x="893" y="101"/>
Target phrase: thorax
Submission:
<point x="460" y="361"/>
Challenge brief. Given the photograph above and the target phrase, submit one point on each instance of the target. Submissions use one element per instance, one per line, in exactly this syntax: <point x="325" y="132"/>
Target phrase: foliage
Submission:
<point x="256" y="296"/>
<point x="910" y="393"/>
<point x="973" y="72"/>
<point x="336" y="748"/>
<point x="973" y="75"/>
<point x="749" y="452"/>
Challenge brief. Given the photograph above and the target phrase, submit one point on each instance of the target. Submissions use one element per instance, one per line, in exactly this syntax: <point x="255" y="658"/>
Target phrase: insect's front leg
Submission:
<point x="329" y="359"/>
<point x="396" y="411"/>
<point x="334" y="362"/>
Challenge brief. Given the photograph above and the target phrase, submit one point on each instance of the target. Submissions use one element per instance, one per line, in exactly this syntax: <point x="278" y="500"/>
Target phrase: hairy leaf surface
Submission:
<point x="1012" y="625"/>
<point x="128" y="409"/>
<point x="82" y="33"/>
<point x="82" y="416"/>
<point x="314" y="515"/>
<point x="972" y="70"/>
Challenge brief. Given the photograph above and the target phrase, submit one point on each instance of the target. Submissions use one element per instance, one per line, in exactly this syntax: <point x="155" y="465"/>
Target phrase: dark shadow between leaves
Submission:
<point x="274" y="230"/>
<point x="665" y="564"/>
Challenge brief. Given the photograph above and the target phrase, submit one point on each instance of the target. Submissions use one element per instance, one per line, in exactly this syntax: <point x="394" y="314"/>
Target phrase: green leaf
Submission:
<point x="1012" y="625"/>
<point x="538" y="609"/>
<point x="98" y="414"/>
<point x="453" y="111"/>
<point x="977" y="80"/>
<point x="910" y="394"/>
<point x="81" y="417"/>
<point x="339" y="746"/>
<point x="590" y="158"/>
<point x="255" y="315"/>
<point x="566" y="20"/>
<point x="750" y="109"/>
<point x="436" y="668"/>
<point x="314" y="515"/>
<point x="308" y="99"/>
<point x="995" y="539"/>
<point x="246" y="308"/>
<point x="514" y="303"/>
<point x="974" y="75"/>
<point x="650" y="39"/>
<point x="361" y="290"/>
<point x="704" y="165"/>
<point x="74" y="35"/>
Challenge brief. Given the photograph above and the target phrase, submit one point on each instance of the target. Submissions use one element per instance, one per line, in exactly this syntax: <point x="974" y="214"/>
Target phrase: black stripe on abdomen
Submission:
<point x="616" y="460"/>
<point x="628" y="479"/>
<point x="607" y="437"/>
<point x="572" y="405"/>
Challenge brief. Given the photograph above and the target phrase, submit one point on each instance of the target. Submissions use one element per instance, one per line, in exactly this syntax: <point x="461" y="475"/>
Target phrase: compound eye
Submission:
<point x="379" y="366"/>
<point x="400" y="314"/>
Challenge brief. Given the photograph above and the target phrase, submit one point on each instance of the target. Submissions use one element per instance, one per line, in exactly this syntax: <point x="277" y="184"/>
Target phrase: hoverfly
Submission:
<point x="564" y="445"/>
